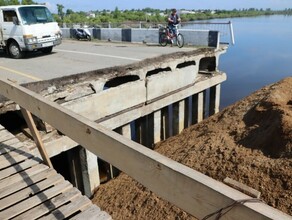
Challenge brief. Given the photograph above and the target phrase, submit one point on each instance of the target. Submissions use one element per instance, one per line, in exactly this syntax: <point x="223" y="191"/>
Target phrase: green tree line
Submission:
<point x="145" y="15"/>
<point x="16" y="2"/>
<point x="155" y="15"/>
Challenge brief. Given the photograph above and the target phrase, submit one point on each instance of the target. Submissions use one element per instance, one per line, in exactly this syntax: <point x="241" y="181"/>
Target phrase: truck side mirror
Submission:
<point x="15" y="20"/>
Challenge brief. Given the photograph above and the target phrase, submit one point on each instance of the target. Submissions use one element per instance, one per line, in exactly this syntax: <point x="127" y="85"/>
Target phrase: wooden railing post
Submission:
<point x="36" y="136"/>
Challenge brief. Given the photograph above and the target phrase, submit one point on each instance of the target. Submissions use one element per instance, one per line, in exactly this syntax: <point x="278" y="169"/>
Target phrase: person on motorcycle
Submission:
<point x="173" y="20"/>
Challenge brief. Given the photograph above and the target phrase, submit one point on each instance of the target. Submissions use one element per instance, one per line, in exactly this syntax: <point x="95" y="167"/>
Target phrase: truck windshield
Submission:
<point x="33" y="15"/>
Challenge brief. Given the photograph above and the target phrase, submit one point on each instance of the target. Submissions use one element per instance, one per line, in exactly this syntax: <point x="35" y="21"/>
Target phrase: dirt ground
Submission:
<point x="250" y="141"/>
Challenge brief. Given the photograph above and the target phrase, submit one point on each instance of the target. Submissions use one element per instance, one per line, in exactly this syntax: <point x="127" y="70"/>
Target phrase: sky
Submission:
<point x="88" y="5"/>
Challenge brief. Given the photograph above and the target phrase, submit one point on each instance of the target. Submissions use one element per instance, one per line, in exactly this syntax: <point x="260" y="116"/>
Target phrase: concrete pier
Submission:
<point x="89" y="169"/>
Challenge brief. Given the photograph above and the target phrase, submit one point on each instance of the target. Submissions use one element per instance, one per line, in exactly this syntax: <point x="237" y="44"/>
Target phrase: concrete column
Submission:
<point x="114" y="172"/>
<point x="144" y="132"/>
<point x="170" y="120"/>
<point x="198" y="107"/>
<point x="157" y="126"/>
<point x="194" y="117"/>
<point x="149" y="132"/>
<point x="214" y="99"/>
<point x="201" y="106"/>
<point x="126" y="131"/>
<point x="72" y="162"/>
<point x="181" y="116"/>
<point x="188" y="112"/>
<point x="165" y="123"/>
<point x="90" y="173"/>
<point x="178" y="117"/>
<point x="138" y="131"/>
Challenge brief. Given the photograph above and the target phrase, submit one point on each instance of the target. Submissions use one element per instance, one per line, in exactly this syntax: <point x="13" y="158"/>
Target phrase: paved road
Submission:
<point x="73" y="57"/>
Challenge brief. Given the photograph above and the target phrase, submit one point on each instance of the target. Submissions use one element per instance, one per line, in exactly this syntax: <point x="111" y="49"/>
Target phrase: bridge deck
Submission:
<point x="30" y="189"/>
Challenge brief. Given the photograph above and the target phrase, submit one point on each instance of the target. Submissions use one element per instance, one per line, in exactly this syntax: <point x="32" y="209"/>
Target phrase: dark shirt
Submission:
<point x="174" y="18"/>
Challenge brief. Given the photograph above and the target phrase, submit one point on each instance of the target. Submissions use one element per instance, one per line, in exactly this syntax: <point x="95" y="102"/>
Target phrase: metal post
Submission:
<point x="231" y="33"/>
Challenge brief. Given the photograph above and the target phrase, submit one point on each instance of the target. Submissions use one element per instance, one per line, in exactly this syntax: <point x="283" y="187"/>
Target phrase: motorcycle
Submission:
<point x="82" y="33"/>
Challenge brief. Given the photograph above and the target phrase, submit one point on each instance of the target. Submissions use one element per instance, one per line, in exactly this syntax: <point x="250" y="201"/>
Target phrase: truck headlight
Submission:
<point x="58" y="35"/>
<point x="30" y="39"/>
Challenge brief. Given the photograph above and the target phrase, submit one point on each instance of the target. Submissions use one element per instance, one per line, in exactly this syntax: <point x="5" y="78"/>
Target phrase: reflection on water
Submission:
<point x="262" y="55"/>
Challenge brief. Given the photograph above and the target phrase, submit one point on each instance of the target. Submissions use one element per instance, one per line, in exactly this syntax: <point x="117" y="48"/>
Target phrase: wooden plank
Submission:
<point x="11" y="154"/>
<point x="9" y="142"/>
<point x="92" y="213"/>
<point x="26" y="182"/>
<point x="50" y="205"/>
<point x="30" y="191"/>
<point x="190" y="190"/>
<point x="14" y="157"/>
<point x="32" y="201"/>
<point x="36" y="136"/>
<point x="19" y="167"/>
<point x="24" y="174"/>
<point x="242" y="187"/>
<point x="10" y="145"/>
<point x="5" y="135"/>
<point x="78" y="204"/>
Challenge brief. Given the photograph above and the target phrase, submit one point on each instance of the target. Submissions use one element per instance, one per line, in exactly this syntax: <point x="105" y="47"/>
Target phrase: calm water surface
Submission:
<point x="262" y="55"/>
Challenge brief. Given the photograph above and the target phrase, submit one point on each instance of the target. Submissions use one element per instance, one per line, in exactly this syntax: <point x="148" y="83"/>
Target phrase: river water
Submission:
<point x="262" y="55"/>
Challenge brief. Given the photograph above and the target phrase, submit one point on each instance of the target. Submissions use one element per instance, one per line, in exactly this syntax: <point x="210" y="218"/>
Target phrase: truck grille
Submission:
<point x="47" y="39"/>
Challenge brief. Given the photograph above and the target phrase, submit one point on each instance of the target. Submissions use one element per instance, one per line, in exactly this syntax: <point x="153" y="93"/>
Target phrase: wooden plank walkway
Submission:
<point x="32" y="190"/>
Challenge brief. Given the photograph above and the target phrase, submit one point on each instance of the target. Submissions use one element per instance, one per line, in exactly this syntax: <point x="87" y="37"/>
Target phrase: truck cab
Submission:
<point x="28" y="28"/>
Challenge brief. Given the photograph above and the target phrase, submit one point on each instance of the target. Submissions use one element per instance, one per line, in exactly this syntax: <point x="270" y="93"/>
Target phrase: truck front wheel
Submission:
<point x="14" y="50"/>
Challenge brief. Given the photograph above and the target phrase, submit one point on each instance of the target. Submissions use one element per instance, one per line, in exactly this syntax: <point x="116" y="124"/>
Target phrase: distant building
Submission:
<point x="90" y="15"/>
<point x="187" y="12"/>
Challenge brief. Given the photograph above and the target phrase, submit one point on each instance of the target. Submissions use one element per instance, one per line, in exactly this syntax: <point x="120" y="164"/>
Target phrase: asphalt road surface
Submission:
<point x="73" y="57"/>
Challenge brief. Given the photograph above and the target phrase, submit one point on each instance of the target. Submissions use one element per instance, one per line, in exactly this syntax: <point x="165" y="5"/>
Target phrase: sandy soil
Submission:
<point x="250" y="141"/>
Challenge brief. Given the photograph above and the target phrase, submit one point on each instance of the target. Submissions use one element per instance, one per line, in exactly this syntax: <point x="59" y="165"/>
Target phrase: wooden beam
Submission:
<point x="36" y="136"/>
<point x="186" y="188"/>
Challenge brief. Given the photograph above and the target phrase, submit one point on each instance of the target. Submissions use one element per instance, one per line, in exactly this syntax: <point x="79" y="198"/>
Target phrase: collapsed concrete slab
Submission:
<point x="148" y="101"/>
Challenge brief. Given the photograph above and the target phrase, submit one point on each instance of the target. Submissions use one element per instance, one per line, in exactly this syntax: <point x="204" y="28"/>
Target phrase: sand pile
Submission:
<point x="250" y="141"/>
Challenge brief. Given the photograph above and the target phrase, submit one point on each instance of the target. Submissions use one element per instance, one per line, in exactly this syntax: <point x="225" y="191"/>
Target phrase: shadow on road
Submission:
<point x="27" y="55"/>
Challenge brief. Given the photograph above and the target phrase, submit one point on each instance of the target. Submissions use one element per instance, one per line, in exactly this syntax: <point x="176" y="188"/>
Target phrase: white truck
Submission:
<point x="28" y="28"/>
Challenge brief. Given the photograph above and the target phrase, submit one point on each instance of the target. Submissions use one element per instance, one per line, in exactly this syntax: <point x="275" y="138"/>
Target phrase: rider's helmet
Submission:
<point x="173" y="11"/>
